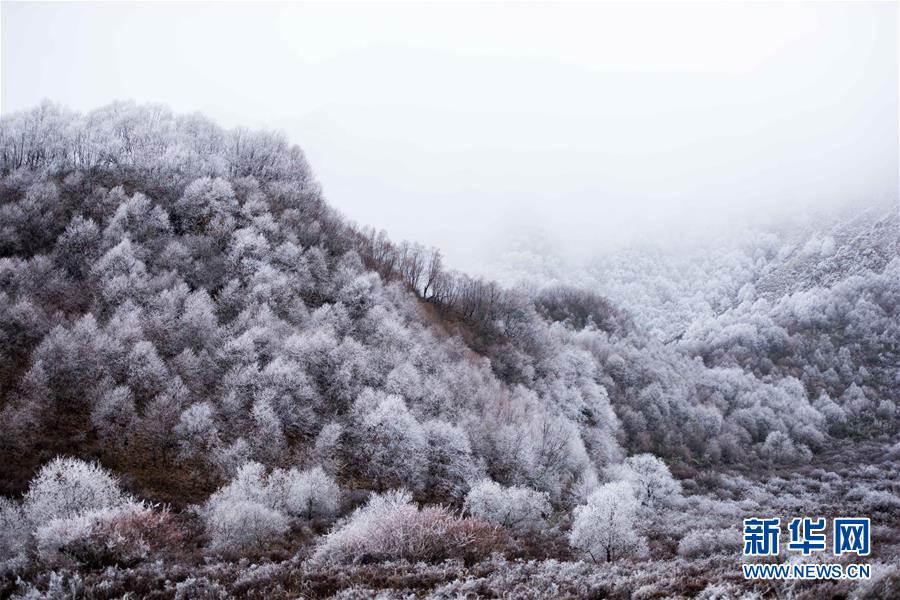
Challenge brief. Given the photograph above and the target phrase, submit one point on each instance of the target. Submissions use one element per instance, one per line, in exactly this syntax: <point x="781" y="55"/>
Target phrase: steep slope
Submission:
<point x="326" y="412"/>
<point x="814" y="303"/>
<point x="178" y="300"/>
<point x="859" y="242"/>
<point x="667" y="286"/>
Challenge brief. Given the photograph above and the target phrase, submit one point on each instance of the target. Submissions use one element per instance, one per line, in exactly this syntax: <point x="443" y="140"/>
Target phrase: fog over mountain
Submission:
<point x="442" y="301"/>
<point x="451" y="125"/>
<point x="180" y="304"/>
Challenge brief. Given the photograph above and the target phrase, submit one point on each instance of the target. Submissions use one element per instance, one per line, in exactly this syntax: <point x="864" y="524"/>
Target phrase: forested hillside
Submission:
<point x="812" y="306"/>
<point x="180" y="307"/>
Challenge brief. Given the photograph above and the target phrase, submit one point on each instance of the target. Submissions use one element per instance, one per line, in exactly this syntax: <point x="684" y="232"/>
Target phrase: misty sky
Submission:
<point x="458" y="125"/>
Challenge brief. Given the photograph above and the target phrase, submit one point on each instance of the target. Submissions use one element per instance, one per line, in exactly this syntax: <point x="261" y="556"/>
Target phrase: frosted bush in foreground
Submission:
<point x="113" y="536"/>
<point x="74" y="513"/>
<point x="308" y="494"/>
<point x="249" y="484"/>
<point x="604" y="527"/>
<point x="255" y="507"/>
<point x="68" y="487"/>
<point x="238" y="525"/>
<point x="390" y="527"/>
<point x="874" y="501"/>
<point x="194" y="588"/>
<point x="518" y="508"/>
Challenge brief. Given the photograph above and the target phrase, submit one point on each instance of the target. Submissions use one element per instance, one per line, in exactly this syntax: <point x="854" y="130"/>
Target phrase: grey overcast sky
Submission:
<point x="456" y="124"/>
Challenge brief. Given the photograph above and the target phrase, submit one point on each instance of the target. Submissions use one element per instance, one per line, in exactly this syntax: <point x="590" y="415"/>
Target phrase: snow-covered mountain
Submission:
<point x="180" y="303"/>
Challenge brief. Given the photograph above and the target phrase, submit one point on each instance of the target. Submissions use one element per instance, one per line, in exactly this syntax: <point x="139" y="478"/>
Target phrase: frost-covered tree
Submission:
<point x="241" y="525"/>
<point x="140" y="220"/>
<point x="256" y="506"/>
<point x="229" y="459"/>
<point x="389" y="446"/>
<point x="328" y="447"/>
<point x="308" y="494"/>
<point x="391" y="526"/>
<point x="650" y="479"/>
<point x="147" y="374"/>
<point x="114" y="417"/>
<point x="14" y="530"/>
<point x="121" y="273"/>
<point x="451" y="466"/>
<point x="604" y="527"/>
<point x="197" y="432"/>
<point x="779" y="447"/>
<point x="268" y="435"/>
<point x="68" y="487"/>
<point x="207" y="204"/>
<point x="243" y="513"/>
<point x="78" y="247"/>
<point x="521" y="509"/>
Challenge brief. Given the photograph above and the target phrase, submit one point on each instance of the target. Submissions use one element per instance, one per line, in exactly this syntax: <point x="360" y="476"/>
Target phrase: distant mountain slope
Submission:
<point x="815" y="304"/>
<point x="667" y="287"/>
<point x="866" y="242"/>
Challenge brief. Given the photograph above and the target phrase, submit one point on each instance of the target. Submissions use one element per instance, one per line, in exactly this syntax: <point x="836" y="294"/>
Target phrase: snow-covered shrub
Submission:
<point x="894" y="451"/>
<point x="249" y="484"/>
<point x="835" y="416"/>
<point x="14" y="530"/>
<point x="884" y="584"/>
<point x="874" y="500"/>
<point x="122" y="535"/>
<point x="650" y="479"/>
<point x="706" y="542"/>
<point x="233" y="526"/>
<point x="200" y="588"/>
<point x="603" y="528"/>
<point x="779" y="447"/>
<point x="242" y="514"/>
<point x="255" y="507"/>
<point x="55" y="585"/>
<point x="56" y="534"/>
<point x="881" y="501"/>
<point x="722" y="591"/>
<point x="518" y="508"/>
<point x="391" y="527"/>
<point x="69" y="487"/>
<point x="308" y="494"/>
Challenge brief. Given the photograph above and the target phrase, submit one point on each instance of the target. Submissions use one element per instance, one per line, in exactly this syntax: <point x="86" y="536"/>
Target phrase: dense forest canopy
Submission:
<point x="178" y="302"/>
<point x="182" y="289"/>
